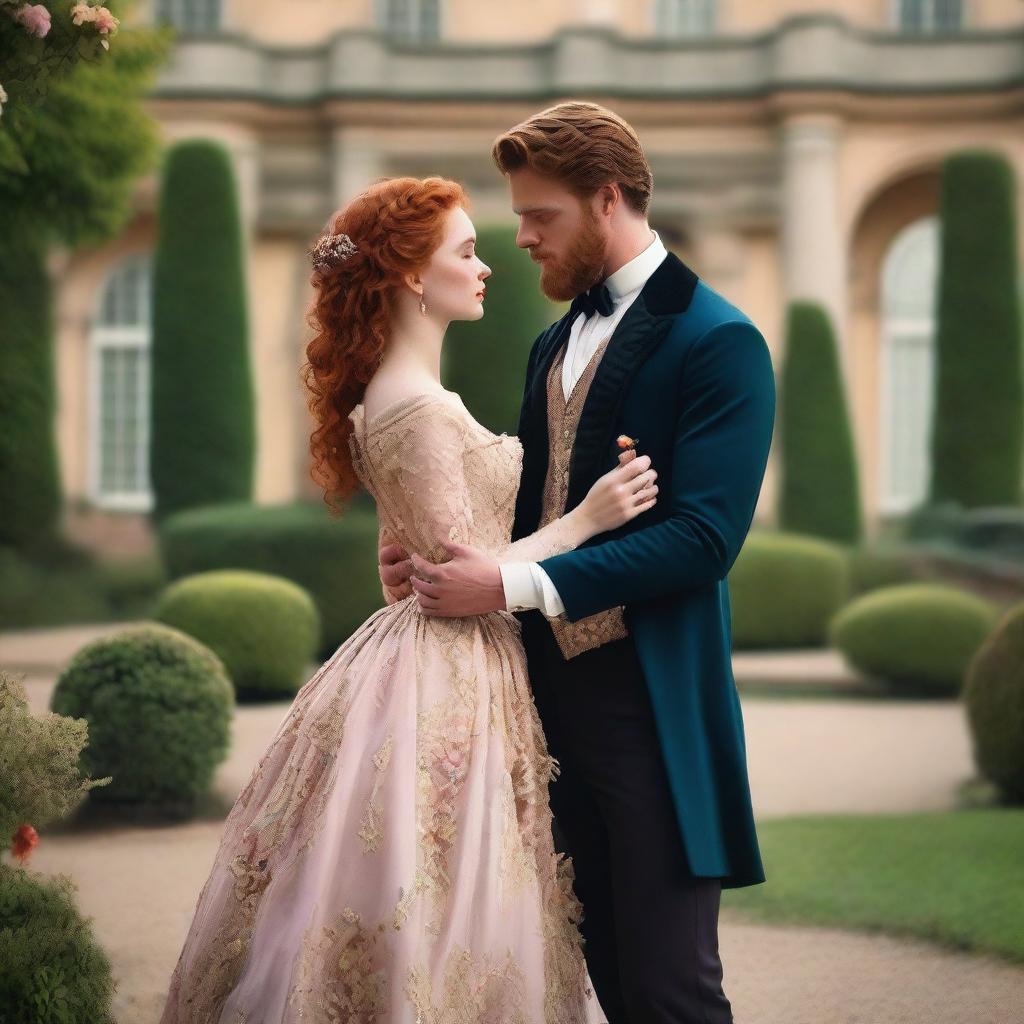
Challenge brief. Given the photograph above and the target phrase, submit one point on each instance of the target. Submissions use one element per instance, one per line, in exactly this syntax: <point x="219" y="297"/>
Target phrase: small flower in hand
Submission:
<point x="624" y="441"/>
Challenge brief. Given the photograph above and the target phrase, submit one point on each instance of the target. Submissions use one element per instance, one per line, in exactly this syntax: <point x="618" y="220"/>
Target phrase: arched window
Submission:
<point x="909" y="280"/>
<point x="926" y="16"/>
<point x="189" y="16"/>
<point x="119" y="436"/>
<point x="417" y="21"/>
<point x="680" y="18"/>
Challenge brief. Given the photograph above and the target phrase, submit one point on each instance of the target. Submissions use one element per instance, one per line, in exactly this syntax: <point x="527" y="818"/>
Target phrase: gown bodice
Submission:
<point x="435" y="472"/>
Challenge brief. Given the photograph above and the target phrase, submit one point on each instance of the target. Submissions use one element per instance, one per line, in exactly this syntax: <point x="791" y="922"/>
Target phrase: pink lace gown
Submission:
<point x="391" y="858"/>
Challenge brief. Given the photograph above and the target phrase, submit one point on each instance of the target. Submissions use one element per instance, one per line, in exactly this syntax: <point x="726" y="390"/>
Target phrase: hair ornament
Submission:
<point x="330" y="250"/>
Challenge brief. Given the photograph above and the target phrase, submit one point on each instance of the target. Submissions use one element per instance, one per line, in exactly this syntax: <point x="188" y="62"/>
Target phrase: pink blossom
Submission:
<point x="105" y="21"/>
<point x="35" y="18"/>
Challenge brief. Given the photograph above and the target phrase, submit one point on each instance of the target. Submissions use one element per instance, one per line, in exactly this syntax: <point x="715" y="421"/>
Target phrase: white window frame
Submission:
<point x="684" y="19"/>
<point x="930" y="27"/>
<point x="105" y="337"/>
<point x="898" y="333"/>
<point x="182" y="14"/>
<point x="413" y="31"/>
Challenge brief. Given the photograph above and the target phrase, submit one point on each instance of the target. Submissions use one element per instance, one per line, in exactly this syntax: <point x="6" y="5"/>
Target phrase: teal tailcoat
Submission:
<point x="691" y="378"/>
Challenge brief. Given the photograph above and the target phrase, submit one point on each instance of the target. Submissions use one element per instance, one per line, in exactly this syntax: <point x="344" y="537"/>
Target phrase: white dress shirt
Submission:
<point x="526" y="584"/>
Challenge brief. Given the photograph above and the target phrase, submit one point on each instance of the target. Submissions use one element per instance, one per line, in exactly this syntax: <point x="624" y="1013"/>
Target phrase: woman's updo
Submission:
<point x="359" y="263"/>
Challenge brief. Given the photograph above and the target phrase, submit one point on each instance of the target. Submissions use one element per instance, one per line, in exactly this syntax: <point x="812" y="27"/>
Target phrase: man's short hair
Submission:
<point x="583" y="145"/>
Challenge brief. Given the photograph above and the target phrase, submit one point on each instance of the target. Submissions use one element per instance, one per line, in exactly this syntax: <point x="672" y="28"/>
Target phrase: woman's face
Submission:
<point x="453" y="282"/>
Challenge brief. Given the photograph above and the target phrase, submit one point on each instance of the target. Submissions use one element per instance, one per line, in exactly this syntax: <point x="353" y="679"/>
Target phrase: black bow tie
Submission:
<point x="596" y="300"/>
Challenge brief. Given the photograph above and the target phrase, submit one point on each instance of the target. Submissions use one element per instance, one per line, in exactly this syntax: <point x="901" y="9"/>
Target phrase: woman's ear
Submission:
<point x="414" y="283"/>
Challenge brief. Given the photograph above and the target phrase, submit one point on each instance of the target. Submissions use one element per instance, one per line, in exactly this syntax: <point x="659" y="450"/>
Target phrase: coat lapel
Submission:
<point x="644" y="326"/>
<point x="642" y="329"/>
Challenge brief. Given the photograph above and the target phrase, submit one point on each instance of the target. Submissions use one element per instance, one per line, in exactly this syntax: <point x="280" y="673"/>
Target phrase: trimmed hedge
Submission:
<point x="819" y="492"/>
<point x="919" y="637"/>
<point x="203" y="421"/>
<point x="47" y="593"/>
<point x="159" y="708"/>
<point x="872" y="569"/>
<point x="994" y="695"/>
<point x="54" y="971"/>
<point x="334" y="559"/>
<point x="264" y="628"/>
<point x="485" y="360"/>
<point x="28" y="451"/>
<point x="978" y="414"/>
<point x="784" y="589"/>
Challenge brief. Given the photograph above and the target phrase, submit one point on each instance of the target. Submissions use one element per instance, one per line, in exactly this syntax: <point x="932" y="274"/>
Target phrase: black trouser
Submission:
<point x="650" y="926"/>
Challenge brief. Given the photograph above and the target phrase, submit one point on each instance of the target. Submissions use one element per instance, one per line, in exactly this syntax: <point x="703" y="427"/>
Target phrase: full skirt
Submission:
<point x="391" y="858"/>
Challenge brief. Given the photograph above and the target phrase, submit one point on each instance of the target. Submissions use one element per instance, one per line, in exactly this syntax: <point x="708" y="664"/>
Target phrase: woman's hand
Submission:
<point x="621" y="494"/>
<point x="394" y="568"/>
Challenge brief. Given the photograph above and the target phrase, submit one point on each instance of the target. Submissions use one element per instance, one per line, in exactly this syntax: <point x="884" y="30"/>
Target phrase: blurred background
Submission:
<point x="848" y="173"/>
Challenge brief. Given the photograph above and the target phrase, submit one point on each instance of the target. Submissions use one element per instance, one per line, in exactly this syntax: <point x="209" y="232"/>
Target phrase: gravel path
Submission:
<point x="140" y="884"/>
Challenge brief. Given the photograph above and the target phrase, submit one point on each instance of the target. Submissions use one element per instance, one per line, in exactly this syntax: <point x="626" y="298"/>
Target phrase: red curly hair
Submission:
<point x="396" y="224"/>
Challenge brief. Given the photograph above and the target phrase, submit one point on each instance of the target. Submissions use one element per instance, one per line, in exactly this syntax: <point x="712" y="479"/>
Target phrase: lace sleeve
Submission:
<point x="429" y="452"/>
<point x="561" y="535"/>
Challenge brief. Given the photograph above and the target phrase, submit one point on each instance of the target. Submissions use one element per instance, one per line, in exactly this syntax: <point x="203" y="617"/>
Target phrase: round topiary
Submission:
<point x="784" y="589"/>
<point x="53" y="968"/>
<point x="264" y="628"/>
<point x="919" y="637"/>
<point x="994" y="694"/>
<point x="159" y="707"/>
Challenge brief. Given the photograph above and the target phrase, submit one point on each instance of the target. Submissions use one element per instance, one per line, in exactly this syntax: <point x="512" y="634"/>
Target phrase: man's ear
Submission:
<point x="608" y="198"/>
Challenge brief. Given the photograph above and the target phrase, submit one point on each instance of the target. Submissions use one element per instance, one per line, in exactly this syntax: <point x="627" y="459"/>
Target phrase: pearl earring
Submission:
<point x="423" y="307"/>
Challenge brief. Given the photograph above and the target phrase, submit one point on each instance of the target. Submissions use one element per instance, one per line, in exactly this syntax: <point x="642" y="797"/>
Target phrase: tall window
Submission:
<point x="678" y="18"/>
<point x="119" y="438"/>
<point x="411" y="20"/>
<point x="927" y="16"/>
<point x="909" y="279"/>
<point x="195" y="16"/>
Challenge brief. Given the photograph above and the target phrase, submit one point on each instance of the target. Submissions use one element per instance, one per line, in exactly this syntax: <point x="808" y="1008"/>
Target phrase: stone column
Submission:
<point x="720" y="255"/>
<point x="355" y="163"/>
<point x="813" y="251"/>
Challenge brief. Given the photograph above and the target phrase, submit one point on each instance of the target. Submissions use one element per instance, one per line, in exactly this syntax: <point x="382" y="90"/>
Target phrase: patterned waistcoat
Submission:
<point x="563" y="419"/>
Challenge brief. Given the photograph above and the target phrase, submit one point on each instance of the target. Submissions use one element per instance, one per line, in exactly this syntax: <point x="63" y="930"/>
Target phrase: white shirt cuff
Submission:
<point x="526" y="586"/>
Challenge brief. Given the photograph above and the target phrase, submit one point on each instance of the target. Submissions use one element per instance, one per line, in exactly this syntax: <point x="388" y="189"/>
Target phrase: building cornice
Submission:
<point x="818" y="55"/>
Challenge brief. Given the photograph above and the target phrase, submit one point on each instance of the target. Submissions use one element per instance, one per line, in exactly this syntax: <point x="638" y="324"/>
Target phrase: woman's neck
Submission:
<point x="414" y="349"/>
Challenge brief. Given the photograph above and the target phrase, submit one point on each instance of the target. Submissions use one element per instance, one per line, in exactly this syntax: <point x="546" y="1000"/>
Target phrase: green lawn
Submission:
<point x="953" y="878"/>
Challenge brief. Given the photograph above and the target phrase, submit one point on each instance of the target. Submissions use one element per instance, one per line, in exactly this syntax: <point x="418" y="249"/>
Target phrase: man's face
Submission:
<point x="562" y="232"/>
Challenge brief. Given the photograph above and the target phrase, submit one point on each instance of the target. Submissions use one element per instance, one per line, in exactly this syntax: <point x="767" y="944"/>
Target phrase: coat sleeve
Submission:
<point x="722" y="436"/>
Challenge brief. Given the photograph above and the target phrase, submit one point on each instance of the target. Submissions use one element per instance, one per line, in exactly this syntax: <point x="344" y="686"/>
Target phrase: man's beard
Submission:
<point x="582" y="266"/>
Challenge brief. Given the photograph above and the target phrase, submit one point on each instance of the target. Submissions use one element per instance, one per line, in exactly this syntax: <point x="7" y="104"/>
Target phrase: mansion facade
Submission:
<point x="796" y="148"/>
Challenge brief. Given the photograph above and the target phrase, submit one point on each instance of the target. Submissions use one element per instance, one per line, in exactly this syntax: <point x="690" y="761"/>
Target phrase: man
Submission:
<point x="628" y="637"/>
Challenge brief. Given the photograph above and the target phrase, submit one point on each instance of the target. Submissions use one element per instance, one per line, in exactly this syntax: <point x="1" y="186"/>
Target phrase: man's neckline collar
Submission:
<point x="633" y="275"/>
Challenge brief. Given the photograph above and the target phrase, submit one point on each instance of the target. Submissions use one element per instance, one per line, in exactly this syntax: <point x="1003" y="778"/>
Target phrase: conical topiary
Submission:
<point x="28" y="451"/>
<point x="203" y="434"/>
<point x="819" y="492"/>
<point x="978" y="420"/>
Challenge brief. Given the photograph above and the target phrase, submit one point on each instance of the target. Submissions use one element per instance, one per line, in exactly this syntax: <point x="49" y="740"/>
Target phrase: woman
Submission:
<point x="391" y="857"/>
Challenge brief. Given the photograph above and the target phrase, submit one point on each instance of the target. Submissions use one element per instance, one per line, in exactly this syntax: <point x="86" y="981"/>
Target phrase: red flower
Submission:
<point x="23" y="842"/>
<point x="624" y="441"/>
